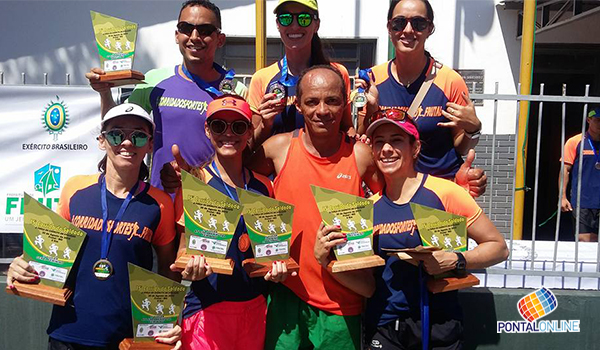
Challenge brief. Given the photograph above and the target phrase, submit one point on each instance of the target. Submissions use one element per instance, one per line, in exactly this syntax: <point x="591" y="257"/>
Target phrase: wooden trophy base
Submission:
<point x="446" y="284"/>
<point x="221" y="266"/>
<point x="40" y="292"/>
<point x="130" y="344"/>
<point x="255" y="269"/>
<point x="124" y="77"/>
<point x="355" y="264"/>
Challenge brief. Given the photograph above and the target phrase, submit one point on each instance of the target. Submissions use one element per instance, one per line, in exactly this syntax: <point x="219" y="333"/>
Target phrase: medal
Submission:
<point x="360" y="99"/>
<point x="102" y="269"/>
<point x="597" y="165"/>
<point x="278" y="89"/>
<point x="226" y="86"/>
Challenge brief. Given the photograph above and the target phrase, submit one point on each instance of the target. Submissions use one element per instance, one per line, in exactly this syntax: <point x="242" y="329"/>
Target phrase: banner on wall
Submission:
<point x="47" y="135"/>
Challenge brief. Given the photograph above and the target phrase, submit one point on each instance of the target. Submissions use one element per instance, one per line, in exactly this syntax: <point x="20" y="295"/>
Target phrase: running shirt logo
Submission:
<point x="344" y="176"/>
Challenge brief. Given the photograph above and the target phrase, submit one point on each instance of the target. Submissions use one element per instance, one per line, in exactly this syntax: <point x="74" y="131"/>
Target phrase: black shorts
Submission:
<point x="54" y="344"/>
<point x="406" y="334"/>
<point x="588" y="220"/>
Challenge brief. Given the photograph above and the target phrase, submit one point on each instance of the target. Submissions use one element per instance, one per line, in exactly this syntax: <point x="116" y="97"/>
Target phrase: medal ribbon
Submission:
<point x="596" y="155"/>
<point x="287" y="79"/>
<point x="424" y="307"/>
<point x="106" y="237"/>
<point x="214" y="165"/>
<point x="364" y="74"/>
<point x="206" y="86"/>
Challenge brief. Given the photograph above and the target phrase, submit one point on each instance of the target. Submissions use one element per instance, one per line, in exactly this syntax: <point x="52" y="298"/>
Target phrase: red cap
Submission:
<point x="233" y="103"/>
<point x="396" y="117"/>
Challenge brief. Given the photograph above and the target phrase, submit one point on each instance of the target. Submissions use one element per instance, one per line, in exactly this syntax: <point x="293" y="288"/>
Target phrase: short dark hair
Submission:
<point x="204" y="3"/>
<point x="320" y="66"/>
<point x="393" y="4"/>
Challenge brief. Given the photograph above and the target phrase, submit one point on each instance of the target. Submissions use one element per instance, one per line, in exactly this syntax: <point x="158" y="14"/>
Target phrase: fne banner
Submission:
<point x="48" y="134"/>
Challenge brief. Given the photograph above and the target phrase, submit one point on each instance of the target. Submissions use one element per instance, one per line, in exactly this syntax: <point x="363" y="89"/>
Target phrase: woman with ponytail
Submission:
<point x="273" y="89"/>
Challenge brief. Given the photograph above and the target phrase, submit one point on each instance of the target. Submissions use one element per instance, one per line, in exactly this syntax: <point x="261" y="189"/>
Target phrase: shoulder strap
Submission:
<point x="414" y="106"/>
<point x="295" y="133"/>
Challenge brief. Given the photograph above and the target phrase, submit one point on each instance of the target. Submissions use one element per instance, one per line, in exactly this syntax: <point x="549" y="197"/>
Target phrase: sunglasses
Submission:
<point x="219" y="126"/>
<point x="391" y="114"/>
<point x="417" y="23"/>
<point x="115" y="137"/>
<point x="304" y="19"/>
<point x="203" y="29"/>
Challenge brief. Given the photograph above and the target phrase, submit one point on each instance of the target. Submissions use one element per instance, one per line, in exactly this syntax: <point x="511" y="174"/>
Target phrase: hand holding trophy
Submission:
<point x="115" y="39"/>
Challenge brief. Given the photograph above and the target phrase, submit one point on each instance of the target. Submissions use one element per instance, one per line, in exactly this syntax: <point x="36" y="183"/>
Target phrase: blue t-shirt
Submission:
<point x="397" y="293"/>
<point x="590" y="176"/>
<point x="239" y="286"/>
<point x="99" y="313"/>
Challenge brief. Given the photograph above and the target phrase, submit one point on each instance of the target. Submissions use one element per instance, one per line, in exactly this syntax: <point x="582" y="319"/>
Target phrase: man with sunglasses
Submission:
<point x="317" y="307"/>
<point x="178" y="96"/>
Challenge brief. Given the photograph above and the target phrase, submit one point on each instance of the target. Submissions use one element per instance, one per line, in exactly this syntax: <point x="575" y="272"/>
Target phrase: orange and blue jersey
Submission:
<point x="438" y="156"/>
<point x="590" y="176"/>
<point x="239" y="286"/>
<point x="290" y="119"/>
<point x="99" y="313"/>
<point x="397" y="293"/>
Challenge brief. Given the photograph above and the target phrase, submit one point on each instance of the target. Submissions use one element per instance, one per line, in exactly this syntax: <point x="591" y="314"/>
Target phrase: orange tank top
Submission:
<point x="338" y="172"/>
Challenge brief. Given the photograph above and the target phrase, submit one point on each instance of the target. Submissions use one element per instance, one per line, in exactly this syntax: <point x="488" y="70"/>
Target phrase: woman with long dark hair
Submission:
<point x="434" y="95"/>
<point x="99" y="313"/>
<point x="272" y="90"/>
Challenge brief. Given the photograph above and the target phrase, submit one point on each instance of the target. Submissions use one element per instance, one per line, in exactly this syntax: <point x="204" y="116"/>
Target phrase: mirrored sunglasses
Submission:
<point x="115" y="137"/>
<point x="203" y="29"/>
<point x="219" y="126"/>
<point x="304" y="19"/>
<point x="419" y="24"/>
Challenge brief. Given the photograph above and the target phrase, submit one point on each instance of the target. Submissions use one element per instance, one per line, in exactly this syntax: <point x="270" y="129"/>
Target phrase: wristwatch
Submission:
<point x="461" y="264"/>
<point x="474" y="135"/>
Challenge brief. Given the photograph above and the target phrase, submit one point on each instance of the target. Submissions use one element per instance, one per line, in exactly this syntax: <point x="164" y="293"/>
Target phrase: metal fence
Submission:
<point x="570" y="268"/>
<point x="564" y="269"/>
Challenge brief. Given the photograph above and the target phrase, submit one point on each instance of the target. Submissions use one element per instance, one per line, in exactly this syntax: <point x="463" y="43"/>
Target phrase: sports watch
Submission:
<point x="461" y="264"/>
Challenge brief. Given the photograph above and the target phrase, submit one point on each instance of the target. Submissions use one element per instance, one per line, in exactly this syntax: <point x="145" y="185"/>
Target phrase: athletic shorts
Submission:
<point x="227" y="325"/>
<point x="406" y="334"/>
<point x="293" y="324"/>
<point x="588" y="220"/>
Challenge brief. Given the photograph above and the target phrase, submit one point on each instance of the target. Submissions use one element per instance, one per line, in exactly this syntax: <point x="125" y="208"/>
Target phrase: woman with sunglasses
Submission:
<point x="98" y="316"/>
<point x="272" y="89"/>
<point x="227" y="312"/>
<point x="446" y="116"/>
<point x="393" y="315"/>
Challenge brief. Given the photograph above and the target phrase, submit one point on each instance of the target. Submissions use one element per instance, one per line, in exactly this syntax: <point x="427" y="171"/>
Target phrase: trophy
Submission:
<point x="439" y="230"/>
<point x="355" y="217"/>
<point x="155" y="307"/>
<point x="115" y="39"/>
<point x="50" y="246"/>
<point x="269" y="225"/>
<point x="210" y="222"/>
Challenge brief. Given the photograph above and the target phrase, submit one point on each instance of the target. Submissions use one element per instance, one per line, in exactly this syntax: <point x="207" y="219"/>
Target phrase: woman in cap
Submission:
<point x="445" y="114"/>
<point x="227" y="312"/>
<point x="273" y="89"/>
<point x="393" y="317"/>
<point x="99" y="313"/>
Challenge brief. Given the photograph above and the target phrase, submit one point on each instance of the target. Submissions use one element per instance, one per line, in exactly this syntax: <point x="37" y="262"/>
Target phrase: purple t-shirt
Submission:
<point x="178" y="107"/>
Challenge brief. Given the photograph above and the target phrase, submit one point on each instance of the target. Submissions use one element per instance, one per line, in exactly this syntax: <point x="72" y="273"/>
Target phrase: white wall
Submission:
<point x="57" y="37"/>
